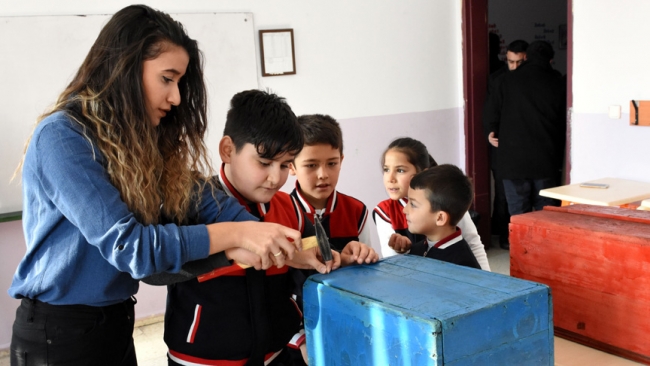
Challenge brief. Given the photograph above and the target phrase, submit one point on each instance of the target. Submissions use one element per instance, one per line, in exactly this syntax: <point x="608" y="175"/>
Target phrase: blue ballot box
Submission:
<point x="408" y="310"/>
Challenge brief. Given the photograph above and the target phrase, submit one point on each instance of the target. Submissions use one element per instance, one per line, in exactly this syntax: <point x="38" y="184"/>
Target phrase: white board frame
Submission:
<point x="41" y="54"/>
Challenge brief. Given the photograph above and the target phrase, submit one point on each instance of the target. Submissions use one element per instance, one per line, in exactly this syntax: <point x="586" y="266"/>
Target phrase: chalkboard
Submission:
<point x="41" y="54"/>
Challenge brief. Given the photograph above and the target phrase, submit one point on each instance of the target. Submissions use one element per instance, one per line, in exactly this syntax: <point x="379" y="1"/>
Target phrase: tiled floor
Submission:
<point x="151" y="349"/>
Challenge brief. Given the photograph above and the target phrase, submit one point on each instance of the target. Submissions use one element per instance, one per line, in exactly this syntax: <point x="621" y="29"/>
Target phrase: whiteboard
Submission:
<point x="40" y="55"/>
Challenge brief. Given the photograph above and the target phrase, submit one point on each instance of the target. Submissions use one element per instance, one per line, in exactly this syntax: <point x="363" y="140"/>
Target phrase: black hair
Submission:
<point x="321" y="129"/>
<point x="541" y="51"/>
<point x="518" y="46"/>
<point x="264" y="120"/>
<point x="447" y="188"/>
<point x="415" y="152"/>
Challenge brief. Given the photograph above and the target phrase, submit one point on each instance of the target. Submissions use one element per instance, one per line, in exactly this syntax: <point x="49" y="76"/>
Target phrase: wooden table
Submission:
<point x="620" y="192"/>
<point x="595" y="259"/>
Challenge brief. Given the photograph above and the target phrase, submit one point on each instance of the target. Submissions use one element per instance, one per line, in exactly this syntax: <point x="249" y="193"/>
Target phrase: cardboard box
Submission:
<point x="408" y="310"/>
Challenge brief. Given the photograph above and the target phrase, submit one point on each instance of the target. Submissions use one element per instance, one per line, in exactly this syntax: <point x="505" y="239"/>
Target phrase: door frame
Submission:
<point x="475" y="75"/>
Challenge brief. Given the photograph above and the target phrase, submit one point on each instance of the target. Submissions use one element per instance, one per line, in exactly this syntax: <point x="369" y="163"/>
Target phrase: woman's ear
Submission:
<point x="226" y="149"/>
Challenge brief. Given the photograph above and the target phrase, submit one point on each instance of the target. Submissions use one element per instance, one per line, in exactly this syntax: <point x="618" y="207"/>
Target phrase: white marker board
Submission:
<point x="39" y="55"/>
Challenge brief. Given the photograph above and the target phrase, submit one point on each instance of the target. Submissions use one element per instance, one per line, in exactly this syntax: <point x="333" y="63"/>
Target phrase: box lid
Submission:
<point x="481" y="310"/>
<point x="453" y="289"/>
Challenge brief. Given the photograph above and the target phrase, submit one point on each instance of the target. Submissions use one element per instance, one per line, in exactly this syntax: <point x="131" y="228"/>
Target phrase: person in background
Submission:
<point x="515" y="55"/>
<point x="402" y="159"/>
<point x="530" y="126"/>
<point x="116" y="187"/>
<point x="494" y="51"/>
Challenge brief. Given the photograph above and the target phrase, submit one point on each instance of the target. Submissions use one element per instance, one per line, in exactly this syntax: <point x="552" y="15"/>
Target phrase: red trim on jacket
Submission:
<point x="191" y="360"/>
<point x="392" y="211"/>
<point x="347" y="215"/>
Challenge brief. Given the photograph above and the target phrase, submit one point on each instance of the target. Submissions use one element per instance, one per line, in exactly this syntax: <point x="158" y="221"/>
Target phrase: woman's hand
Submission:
<point x="273" y="244"/>
<point x="245" y="257"/>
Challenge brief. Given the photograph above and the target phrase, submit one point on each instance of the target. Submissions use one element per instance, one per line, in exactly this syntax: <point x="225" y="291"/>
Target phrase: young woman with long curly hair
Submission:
<point x="117" y="187"/>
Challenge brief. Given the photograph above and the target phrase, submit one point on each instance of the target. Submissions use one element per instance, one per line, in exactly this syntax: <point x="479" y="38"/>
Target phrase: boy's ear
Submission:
<point x="342" y="156"/>
<point x="442" y="218"/>
<point x="226" y="149"/>
<point x="292" y="168"/>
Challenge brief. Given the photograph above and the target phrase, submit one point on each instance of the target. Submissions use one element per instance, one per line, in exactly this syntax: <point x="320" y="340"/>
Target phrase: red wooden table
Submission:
<point x="597" y="262"/>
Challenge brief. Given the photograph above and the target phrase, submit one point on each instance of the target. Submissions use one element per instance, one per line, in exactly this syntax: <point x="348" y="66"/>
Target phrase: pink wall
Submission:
<point x="366" y="138"/>
<point x="12" y="249"/>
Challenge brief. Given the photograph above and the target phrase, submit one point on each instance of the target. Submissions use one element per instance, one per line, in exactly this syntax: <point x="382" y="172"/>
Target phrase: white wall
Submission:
<point x="530" y="20"/>
<point x="383" y="70"/>
<point x="610" y="67"/>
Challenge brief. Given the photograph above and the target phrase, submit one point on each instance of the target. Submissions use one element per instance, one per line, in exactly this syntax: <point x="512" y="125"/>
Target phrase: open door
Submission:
<point x="475" y="75"/>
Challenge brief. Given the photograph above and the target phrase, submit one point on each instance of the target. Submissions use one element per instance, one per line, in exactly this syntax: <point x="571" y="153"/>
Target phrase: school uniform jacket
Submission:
<point x="343" y="218"/>
<point x="452" y="249"/>
<point x="244" y="313"/>
<point x="389" y="218"/>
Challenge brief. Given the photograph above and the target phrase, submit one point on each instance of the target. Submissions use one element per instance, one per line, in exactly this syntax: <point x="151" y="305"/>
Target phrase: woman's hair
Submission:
<point x="149" y="165"/>
<point x="415" y="152"/>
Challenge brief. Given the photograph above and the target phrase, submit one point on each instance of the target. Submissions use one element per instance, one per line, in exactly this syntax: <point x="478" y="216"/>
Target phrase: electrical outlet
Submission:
<point x="615" y="111"/>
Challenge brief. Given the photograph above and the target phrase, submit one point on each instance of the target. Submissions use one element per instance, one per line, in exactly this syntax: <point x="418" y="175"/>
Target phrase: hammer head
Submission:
<point x="323" y="240"/>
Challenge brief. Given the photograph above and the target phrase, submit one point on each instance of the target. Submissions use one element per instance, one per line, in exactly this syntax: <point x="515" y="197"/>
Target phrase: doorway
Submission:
<point x="510" y="19"/>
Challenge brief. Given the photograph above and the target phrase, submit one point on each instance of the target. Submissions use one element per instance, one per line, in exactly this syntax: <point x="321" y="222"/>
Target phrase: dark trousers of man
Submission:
<point x="523" y="194"/>
<point x="45" y="334"/>
<point x="500" y="213"/>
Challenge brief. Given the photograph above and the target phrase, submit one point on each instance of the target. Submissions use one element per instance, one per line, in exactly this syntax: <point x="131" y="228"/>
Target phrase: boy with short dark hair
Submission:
<point x="438" y="198"/>
<point x="317" y="167"/>
<point x="242" y="315"/>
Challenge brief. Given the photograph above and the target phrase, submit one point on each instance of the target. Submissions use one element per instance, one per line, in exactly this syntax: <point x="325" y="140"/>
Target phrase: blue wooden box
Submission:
<point x="408" y="310"/>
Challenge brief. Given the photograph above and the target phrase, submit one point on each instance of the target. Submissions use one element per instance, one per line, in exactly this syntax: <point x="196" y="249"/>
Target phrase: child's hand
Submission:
<point x="311" y="259"/>
<point x="358" y="253"/>
<point x="399" y="243"/>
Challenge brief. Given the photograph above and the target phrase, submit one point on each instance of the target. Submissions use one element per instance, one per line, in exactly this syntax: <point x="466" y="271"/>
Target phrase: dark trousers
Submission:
<point x="45" y="334"/>
<point x="523" y="194"/>
<point x="500" y="212"/>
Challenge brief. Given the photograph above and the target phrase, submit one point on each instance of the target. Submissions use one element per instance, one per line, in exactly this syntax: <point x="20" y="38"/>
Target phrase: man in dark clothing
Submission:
<point x="516" y="54"/>
<point x="530" y="128"/>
